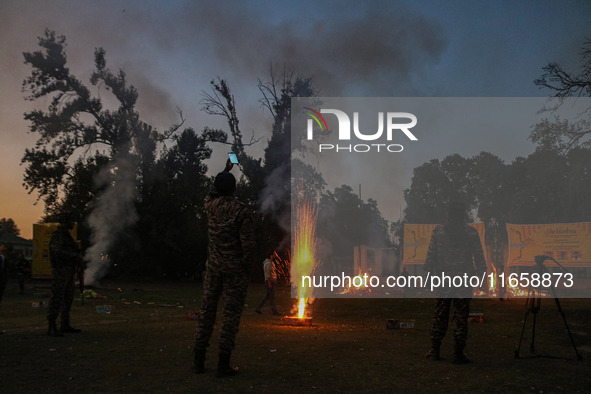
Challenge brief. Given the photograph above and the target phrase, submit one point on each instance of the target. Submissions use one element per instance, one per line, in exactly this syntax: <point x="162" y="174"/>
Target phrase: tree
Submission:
<point x="577" y="185"/>
<point x="269" y="185"/>
<point x="488" y="177"/>
<point x="9" y="226"/>
<point x="96" y="157"/>
<point x="174" y="216"/>
<point x="560" y="134"/>
<point x="347" y="221"/>
<point x="544" y="187"/>
<point x="564" y="83"/>
<point x="75" y="121"/>
<point x="281" y="165"/>
<point x="434" y="185"/>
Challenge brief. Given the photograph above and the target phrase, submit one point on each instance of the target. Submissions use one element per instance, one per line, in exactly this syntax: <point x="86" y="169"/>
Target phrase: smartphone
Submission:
<point x="233" y="158"/>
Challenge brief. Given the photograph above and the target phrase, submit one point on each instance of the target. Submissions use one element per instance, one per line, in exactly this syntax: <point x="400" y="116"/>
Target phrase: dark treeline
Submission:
<point x="545" y="187"/>
<point x="550" y="185"/>
<point x="138" y="191"/>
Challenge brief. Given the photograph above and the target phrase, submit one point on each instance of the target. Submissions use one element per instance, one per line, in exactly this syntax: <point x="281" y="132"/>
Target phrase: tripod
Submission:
<point x="533" y="304"/>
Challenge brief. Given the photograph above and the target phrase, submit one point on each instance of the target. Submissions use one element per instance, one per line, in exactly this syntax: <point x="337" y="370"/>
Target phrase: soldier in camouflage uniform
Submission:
<point x="230" y="256"/>
<point x="65" y="258"/>
<point x="454" y="249"/>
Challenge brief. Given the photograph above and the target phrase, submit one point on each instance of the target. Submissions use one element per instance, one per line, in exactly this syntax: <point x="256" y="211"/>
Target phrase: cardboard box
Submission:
<point x="193" y="315"/>
<point x="476" y="317"/>
<point x="394" y="324"/>
<point x="104" y="309"/>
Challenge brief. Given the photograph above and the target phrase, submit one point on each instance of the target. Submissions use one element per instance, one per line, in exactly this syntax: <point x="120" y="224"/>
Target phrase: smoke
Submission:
<point x="275" y="200"/>
<point x="276" y="194"/>
<point x="377" y="49"/>
<point x="114" y="212"/>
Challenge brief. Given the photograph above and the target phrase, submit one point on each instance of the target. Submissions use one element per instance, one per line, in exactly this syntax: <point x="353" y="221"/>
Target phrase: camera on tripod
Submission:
<point x="533" y="306"/>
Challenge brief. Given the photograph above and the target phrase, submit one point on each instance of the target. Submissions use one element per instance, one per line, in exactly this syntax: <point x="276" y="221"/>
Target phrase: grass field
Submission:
<point x="145" y="345"/>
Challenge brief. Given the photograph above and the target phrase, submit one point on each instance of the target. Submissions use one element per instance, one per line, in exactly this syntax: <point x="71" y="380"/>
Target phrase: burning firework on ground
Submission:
<point x="493" y="287"/>
<point x="303" y="259"/>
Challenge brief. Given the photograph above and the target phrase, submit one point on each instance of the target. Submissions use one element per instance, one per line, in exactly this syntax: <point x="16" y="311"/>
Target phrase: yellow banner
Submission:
<point x="567" y="243"/>
<point x="418" y="236"/>
<point x="41" y="266"/>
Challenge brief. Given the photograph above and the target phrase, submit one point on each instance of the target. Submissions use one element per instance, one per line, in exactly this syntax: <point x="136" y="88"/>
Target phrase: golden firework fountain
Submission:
<point x="303" y="260"/>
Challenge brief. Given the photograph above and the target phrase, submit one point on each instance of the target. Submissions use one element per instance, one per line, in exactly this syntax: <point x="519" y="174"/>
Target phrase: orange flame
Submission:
<point x="518" y="291"/>
<point x="492" y="290"/>
<point x="360" y="289"/>
<point x="492" y="287"/>
<point x="302" y="308"/>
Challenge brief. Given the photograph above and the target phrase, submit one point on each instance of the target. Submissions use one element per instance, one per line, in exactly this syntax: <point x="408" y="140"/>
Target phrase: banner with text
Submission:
<point x="418" y="236"/>
<point x="568" y="243"/>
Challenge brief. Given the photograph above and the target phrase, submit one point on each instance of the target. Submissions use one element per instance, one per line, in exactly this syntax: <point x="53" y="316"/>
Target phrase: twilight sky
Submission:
<point x="170" y="51"/>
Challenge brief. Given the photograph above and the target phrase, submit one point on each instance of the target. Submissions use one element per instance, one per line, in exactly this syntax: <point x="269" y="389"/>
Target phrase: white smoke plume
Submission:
<point x="275" y="200"/>
<point x="275" y="196"/>
<point x="114" y="212"/>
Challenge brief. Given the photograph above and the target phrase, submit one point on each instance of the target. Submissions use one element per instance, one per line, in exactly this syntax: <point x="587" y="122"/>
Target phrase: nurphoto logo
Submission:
<point x="395" y="123"/>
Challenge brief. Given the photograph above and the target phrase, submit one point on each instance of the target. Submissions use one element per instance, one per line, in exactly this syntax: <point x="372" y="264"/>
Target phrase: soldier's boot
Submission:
<point x="224" y="367"/>
<point x="67" y="328"/>
<point x="199" y="360"/>
<point x="433" y="353"/>
<point x="459" y="357"/>
<point x="52" y="330"/>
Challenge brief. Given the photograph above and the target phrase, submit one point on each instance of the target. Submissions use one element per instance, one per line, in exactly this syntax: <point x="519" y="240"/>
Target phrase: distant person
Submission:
<point x="65" y="257"/>
<point x="23" y="269"/>
<point x="270" y="282"/>
<point x="561" y="255"/>
<point x="454" y="249"/>
<point x="3" y="271"/>
<point x="576" y="255"/>
<point x="227" y="270"/>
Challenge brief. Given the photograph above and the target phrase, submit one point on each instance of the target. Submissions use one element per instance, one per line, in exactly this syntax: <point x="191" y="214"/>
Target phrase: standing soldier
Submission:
<point x="65" y="258"/>
<point x="454" y="249"/>
<point x="230" y="256"/>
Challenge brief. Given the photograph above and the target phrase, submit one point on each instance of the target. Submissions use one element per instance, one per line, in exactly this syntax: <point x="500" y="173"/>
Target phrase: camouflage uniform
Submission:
<point x="453" y="250"/>
<point x="64" y="256"/>
<point x="230" y="255"/>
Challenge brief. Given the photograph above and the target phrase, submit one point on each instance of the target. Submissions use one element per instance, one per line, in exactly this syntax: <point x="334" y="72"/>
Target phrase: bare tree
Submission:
<point x="559" y="134"/>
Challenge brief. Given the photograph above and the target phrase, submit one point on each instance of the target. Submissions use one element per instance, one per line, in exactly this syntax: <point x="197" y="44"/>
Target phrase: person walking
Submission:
<point x="270" y="282"/>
